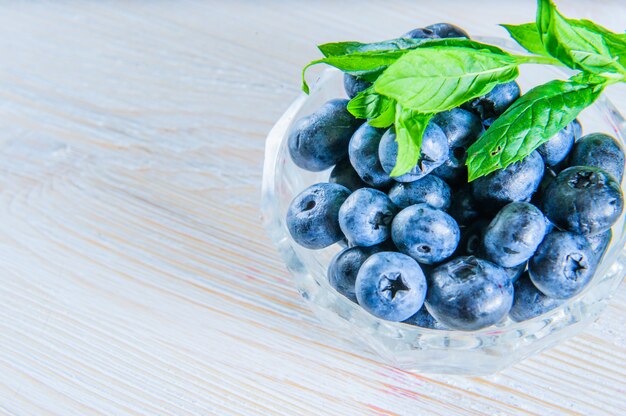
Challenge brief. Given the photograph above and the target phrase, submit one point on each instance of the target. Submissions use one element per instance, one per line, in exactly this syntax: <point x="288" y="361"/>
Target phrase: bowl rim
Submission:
<point x="279" y="133"/>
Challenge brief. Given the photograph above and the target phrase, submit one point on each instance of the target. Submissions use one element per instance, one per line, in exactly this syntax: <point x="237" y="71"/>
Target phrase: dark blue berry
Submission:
<point x="583" y="200"/>
<point x="447" y="30"/>
<point x="430" y="190"/>
<point x="313" y="216"/>
<point x="363" y="152"/>
<point x="424" y="319"/>
<point x="391" y="286"/>
<point x="344" y="174"/>
<point x="555" y="150"/>
<point x="464" y="208"/>
<point x="354" y="85"/>
<point x="600" y="243"/>
<point x="344" y="267"/>
<point x="320" y="140"/>
<point x="496" y="101"/>
<point x="421" y="33"/>
<point x="365" y="217"/>
<point x="529" y="302"/>
<point x="468" y="293"/>
<point x="601" y="151"/>
<point x="427" y="234"/>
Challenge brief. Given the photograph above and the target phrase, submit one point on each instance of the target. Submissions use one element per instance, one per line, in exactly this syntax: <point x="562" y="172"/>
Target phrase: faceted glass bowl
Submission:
<point x="420" y="349"/>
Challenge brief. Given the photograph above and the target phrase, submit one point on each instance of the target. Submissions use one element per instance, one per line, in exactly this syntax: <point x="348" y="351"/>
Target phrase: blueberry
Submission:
<point x="363" y="151"/>
<point x="313" y="216"/>
<point x="468" y="293"/>
<point x="563" y="265"/>
<point x="577" y="128"/>
<point x="434" y="152"/>
<point x="599" y="243"/>
<point x="427" y="234"/>
<point x="488" y="122"/>
<point x="344" y="267"/>
<point x="517" y="182"/>
<point x="421" y="33"/>
<point x="344" y="174"/>
<point x="354" y="85"/>
<point x="425" y="320"/>
<point x="514" y="234"/>
<point x="365" y="217"/>
<point x="555" y="150"/>
<point x="320" y="140"/>
<point x="391" y="286"/>
<point x="529" y="302"/>
<point x="447" y="30"/>
<point x="600" y="151"/>
<point x="464" y="208"/>
<point x="583" y="200"/>
<point x="461" y="128"/>
<point x="430" y="190"/>
<point x="496" y="101"/>
<point x="471" y="240"/>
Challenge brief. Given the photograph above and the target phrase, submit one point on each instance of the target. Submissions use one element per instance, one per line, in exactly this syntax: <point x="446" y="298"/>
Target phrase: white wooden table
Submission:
<point x="136" y="278"/>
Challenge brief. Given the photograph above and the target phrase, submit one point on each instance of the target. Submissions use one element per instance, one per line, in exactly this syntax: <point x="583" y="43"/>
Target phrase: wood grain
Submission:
<point x="136" y="277"/>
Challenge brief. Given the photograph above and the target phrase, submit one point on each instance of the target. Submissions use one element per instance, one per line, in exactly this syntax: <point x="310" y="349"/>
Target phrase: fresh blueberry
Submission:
<point x="599" y="243"/>
<point x="391" y="286"/>
<point x="563" y="265"/>
<point x="462" y="128"/>
<point x="434" y="152"/>
<point x="468" y="293"/>
<point x="488" y="122"/>
<point x="514" y="234"/>
<point x="471" y="242"/>
<point x="578" y="129"/>
<point x="365" y="217"/>
<point x="313" y="216"/>
<point x="427" y="234"/>
<point x="344" y="174"/>
<point x="320" y="140"/>
<point x="344" y="267"/>
<point x="354" y="85"/>
<point x="363" y="151"/>
<point x="583" y="200"/>
<point x="601" y="151"/>
<point x="529" y="302"/>
<point x="425" y="320"/>
<point x="517" y="182"/>
<point x="555" y="150"/>
<point x="430" y="190"/>
<point x="421" y="33"/>
<point x="447" y="30"/>
<point x="464" y="208"/>
<point x="496" y="101"/>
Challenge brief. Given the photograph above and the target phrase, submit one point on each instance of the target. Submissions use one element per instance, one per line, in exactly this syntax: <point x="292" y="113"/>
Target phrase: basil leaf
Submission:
<point x="439" y="78"/>
<point x="527" y="36"/>
<point x="387" y="116"/>
<point x="410" y="126"/>
<point x="366" y="65"/>
<point x="368" y="104"/>
<point x="531" y="121"/>
<point x="580" y="44"/>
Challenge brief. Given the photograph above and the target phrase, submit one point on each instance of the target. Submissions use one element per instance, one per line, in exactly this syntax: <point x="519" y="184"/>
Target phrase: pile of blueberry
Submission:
<point x="430" y="249"/>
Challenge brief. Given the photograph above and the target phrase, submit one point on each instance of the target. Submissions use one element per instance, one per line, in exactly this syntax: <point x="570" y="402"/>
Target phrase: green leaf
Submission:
<point x="387" y="116"/>
<point x="347" y="48"/>
<point x="368" y="104"/>
<point x="438" y="78"/>
<point x="580" y="44"/>
<point x="410" y="126"/>
<point x="366" y="65"/>
<point x="531" y="121"/>
<point x="528" y="37"/>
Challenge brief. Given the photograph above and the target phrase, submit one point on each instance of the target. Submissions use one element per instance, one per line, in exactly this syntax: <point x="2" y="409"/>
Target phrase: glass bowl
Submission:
<point x="409" y="347"/>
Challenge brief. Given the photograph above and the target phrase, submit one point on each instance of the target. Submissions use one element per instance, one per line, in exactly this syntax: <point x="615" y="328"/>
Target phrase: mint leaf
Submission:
<point x="531" y="121"/>
<point x="410" y="126"/>
<point x="368" y="104"/>
<point x="366" y="65"/>
<point x="386" y="118"/>
<point x="527" y="36"/>
<point x="347" y="48"/>
<point x="580" y="44"/>
<point x="438" y="78"/>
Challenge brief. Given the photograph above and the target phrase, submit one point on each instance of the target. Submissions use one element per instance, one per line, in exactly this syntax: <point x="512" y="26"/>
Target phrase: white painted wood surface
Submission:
<point x="136" y="278"/>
